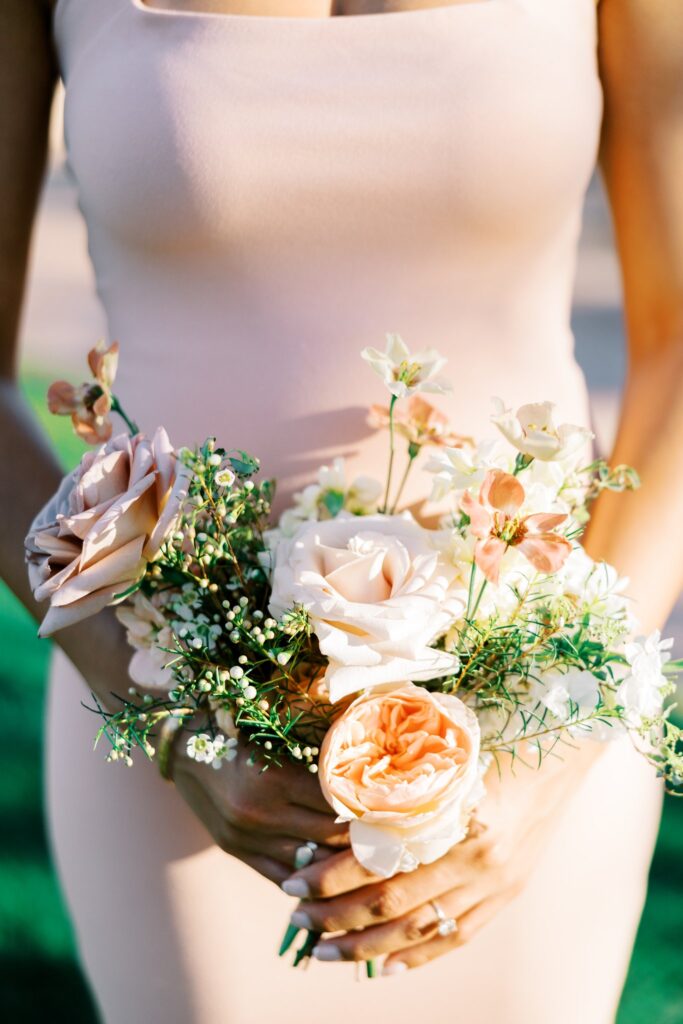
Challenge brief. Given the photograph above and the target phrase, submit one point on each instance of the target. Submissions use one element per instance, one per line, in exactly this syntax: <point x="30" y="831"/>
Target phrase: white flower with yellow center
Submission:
<point x="406" y="373"/>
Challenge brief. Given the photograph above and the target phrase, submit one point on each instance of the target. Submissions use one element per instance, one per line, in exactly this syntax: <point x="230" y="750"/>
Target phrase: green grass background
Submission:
<point x="39" y="976"/>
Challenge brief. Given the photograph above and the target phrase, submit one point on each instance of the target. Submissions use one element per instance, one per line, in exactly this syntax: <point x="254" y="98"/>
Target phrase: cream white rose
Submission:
<point x="378" y="593"/>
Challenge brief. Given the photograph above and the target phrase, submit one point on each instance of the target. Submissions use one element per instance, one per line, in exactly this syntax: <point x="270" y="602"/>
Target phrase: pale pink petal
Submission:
<point x="502" y="491"/>
<point x="481" y="519"/>
<point x="546" y="551"/>
<point x="62" y="398"/>
<point x="103" y="362"/>
<point x="119" y="569"/>
<point x="488" y="555"/>
<point x="542" y="522"/>
<point x="378" y="417"/>
<point x="58" y="618"/>
<point x="170" y="509"/>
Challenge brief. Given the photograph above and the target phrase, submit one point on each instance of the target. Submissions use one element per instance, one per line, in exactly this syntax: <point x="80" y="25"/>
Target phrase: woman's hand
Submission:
<point x="262" y="818"/>
<point x="471" y="883"/>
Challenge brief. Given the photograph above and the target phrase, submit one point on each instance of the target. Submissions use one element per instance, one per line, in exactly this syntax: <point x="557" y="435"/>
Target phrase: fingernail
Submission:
<point x="395" y="967"/>
<point x="296" y="887"/>
<point x="326" y="951"/>
<point x="301" y="919"/>
<point x="304" y="855"/>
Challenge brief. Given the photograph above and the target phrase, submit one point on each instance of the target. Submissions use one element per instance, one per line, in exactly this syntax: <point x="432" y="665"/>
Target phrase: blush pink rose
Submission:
<point x="94" y="538"/>
<point x="402" y="766"/>
<point x="378" y="593"/>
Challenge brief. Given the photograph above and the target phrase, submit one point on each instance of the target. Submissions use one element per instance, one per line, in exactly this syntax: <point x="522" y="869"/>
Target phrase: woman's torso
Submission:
<point x="266" y="196"/>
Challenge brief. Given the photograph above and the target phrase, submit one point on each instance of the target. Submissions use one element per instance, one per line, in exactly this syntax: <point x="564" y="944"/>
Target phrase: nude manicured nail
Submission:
<point x="326" y="951"/>
<point x="395" y="967"/>
<point x="296" y="887"/>
<point x="301" y="919"/>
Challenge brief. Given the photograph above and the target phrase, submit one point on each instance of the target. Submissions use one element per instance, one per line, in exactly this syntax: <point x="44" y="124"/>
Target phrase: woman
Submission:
<point x="269" y="187"/>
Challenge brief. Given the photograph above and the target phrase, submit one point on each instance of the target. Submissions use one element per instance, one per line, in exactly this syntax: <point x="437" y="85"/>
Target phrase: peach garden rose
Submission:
<point x="402" y="766"/>
<point x="94" y="538"/>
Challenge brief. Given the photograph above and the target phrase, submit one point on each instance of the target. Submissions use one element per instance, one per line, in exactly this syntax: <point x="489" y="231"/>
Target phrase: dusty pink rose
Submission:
<point x="419" y="421"/>
<point x="89" y="404"/>
<point x="402" y="765"/>
<point x="94" y="538"/>
<point x="496" y="523"/>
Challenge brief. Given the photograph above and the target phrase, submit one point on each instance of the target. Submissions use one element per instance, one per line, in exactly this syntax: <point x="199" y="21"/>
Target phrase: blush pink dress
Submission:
<point x="264" y="197"/>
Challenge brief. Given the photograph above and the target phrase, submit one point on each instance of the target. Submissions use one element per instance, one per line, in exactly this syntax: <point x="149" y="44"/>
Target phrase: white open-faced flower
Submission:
<point x="406" y="373"/>
<point x="532" y="431"/>
<point x="642" y="692"/>
<point x="200" y="748"/>
<point x="378" y="593"/>
<point x="224" y="749"/>
<point x="570" y="696"/>
<point x="456" y="469"/>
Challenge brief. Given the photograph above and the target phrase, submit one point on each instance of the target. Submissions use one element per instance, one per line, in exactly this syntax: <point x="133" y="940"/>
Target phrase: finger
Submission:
<point x="414" y="928"/>
<point x="270" y="869"/>
<point x="289" y="852"/>
<point x="344" y="874"/>
<point x="382" y="900"/>
<point x="302" y="824"/>
<point x="211" y="818"/>
<point x="341" y="873"/>
<point x="306" y="792"/>
<point x="468" y="925"/>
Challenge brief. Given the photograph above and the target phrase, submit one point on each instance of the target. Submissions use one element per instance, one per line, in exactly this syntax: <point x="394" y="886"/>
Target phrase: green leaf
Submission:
<point x="333" y="502"/>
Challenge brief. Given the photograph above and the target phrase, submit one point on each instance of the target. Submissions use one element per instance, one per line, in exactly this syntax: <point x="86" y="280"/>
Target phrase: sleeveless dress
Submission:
<point x="264" y="197"/>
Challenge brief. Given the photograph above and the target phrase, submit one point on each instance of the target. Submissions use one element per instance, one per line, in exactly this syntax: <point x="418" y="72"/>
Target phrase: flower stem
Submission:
<point x="370" y="968"/>
<point x="391" y="452"/>
<point x="117" y="407"/>
<point x="412" y="455"/>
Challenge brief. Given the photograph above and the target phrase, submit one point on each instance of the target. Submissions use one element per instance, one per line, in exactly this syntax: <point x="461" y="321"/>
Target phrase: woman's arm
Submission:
<point x="641" y="61"/>
<point x="259" y="818"/>
<point x="641" y="158"/>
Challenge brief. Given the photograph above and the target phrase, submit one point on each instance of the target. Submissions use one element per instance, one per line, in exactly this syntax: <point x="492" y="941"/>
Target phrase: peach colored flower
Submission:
<point x="94" y="538"/>
<point x="419" y="421"/>
<point x="402" y="765"/>
<point x="89" y="404"/>
<point x="496" y="523"/>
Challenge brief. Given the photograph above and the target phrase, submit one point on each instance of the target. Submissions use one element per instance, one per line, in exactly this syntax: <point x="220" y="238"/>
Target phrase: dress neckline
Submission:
<point x="278" y="20"/>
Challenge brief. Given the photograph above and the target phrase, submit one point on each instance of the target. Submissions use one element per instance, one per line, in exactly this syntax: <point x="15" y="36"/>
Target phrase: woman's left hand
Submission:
<point x="477" y="878"/>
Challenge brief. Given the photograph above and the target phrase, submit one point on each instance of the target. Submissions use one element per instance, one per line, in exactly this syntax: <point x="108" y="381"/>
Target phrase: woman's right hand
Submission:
<point x="260" y="817"/>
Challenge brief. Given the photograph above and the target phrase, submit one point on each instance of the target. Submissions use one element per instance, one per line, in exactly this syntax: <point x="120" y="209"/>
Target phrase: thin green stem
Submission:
<point x="117" y="407"/>
<point x="479" y="597"/>
<point x="412" y="455"/>
<point x="391" y="452"/>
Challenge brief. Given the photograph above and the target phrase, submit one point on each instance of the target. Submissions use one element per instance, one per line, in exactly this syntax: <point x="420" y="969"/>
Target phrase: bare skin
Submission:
<point x="301" y="8"/>
<point x="641" y="160"/>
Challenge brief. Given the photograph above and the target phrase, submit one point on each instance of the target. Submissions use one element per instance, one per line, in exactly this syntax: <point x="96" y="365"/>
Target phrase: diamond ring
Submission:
<point x="303" y="855"/>
<point x="446" y="925"/>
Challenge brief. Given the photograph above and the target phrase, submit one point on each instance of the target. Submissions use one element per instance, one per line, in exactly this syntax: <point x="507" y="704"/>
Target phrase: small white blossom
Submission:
<point x="200" y="748"/>
<point x="405" y="373"/>
<point x="641" y="694"/>
<point x="225" y="478"/>
<point x="224" y="750"/>
<point x="532" y="431"/>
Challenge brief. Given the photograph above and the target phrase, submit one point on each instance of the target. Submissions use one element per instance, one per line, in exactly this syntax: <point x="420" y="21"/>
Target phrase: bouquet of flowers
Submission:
<point x="395" y="660"/>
